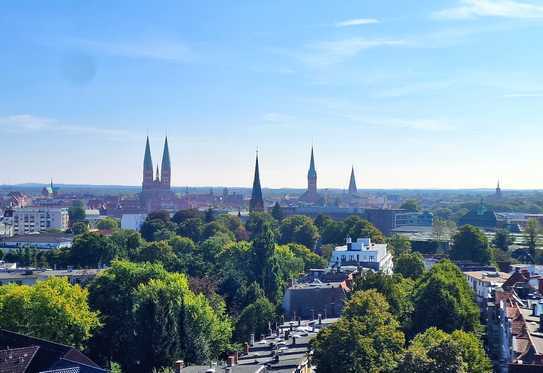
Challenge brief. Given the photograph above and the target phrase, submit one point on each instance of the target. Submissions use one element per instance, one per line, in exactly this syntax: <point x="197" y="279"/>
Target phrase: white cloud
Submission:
<point x="155" y="49"/>
<point x="327" y="53"/>
<point x="357" y="22"/>
<point x="28" y="122"/>
<point x="469" y="9"/>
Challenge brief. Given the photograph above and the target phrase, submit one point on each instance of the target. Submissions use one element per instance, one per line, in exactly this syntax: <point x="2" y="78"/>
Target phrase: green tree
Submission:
<point x="356" y="227"/>
<point x="150" y="316"/>
<point x="157" y="252"/>
<point x="409" y="265"/>
<point x="256" y="222"/>
<point x="398" y="244"/>
<point x="502" y="239"/>
<point x="436" y="351"/>
<point x="192" y="228"/>
<point x="80" y="227"/>
<point x="76" y="213"/>
<point x="444" y="299"/>
<point x="91" y="250"/>
<point x="276" y="212"/>
<point x="155" y="229"/>
<point x="254" y="318"/>
<point x="470" y="243"/>
<point x="183" y="215"/>
<point x="52" y="309"/>
<point x="298" y="229"/>
<point x="411" y="205"/>
<point x="108" y="223"/>
<point x="215" y="228"/>
<point x="532" y="232"/>
<point x="310" y="259"/>
<point x="366" y="338"/>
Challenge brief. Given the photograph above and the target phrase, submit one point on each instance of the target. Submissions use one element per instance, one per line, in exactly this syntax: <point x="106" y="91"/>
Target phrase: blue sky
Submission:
<point x="414" y="94"/>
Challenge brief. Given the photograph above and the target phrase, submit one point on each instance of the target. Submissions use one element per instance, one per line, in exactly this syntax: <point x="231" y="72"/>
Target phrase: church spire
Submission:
<point x="352" y="183"/>
<point x="166" y="170"/>
<point x="147" y="166"/>
<point x="312" y="175"/>
<point x="157" y="179"/>
<point x="256" y="203"/>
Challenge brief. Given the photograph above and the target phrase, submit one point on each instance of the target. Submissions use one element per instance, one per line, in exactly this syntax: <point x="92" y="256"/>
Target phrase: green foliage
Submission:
<point x="91" y="249"/>
<point x="398" y="244"/>
<point x="409" y="264"/>
<point x="298" y="229"/>
<point x="192" y="228"/>
<point x="76" y="213"/>
<point x="310" y="259"/>
<point x="256" y="222"/>
<point x="396" y="290"/>
<point x="168" y="320"/>
<point x="335" y="232"/>
<point x="255" y="318"/>
<point x="79" y="227"/>
<point x="411" y="205"/>
<point x="366" y="338"/>
<point x="444" y="299"/>
<point x="470" y="243"/>
<point x="155" y="229"/>
<point x="157" y="252"/>
<point x="277" y="213"/>
<point x="183" y="215"/>
<point x="52" y="309"/>
<point x="108" y="223"/>
<point x="436" y="351"/>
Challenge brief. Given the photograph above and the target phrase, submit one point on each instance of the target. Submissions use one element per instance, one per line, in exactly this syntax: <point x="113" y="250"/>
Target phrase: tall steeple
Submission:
<point x="256" y="203"/>
<point x="147" y="166"/>
<point x="498" y="190"/>
<point x="312" y="175"/>
<point x="352" y="183"/>
<point x="157" y="178"/>
<point x="166" y="170"/>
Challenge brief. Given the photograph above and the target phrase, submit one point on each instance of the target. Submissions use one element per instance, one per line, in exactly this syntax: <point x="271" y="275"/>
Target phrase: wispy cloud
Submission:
<point x="357" y="22"/>
<point x="155" y="49"/>
<point x="325" y="53"/>
<point x="28" y="122"/>
<point x="469" y="9"/>
<point x="524" y="95"/>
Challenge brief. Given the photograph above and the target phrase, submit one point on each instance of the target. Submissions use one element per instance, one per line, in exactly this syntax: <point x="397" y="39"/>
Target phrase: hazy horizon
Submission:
<point x="416" y="95"/>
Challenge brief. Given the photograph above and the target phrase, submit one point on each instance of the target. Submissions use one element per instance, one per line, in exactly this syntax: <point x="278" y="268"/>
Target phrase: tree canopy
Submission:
<point x="470" y="243"/>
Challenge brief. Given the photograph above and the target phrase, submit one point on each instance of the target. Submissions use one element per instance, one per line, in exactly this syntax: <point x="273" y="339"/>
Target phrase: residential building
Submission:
<point x="484" y="283"/>
<point x="38" y="219"/>
<point x="363" y="253"/>
<point x="23" y="354"/>
<point x="306" y="300"/>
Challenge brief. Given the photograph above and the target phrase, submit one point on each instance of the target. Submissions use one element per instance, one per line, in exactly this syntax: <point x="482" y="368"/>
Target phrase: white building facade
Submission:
<point x="363" y="253"/>
<point x="39" y="219"/>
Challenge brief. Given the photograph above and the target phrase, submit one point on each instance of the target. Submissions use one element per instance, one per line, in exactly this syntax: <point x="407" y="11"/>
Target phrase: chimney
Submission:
<point x="299" y="321"/>
<point x="349" y="243"/>
<point x="236" y="357"/>
<point x="287" y="334"/>
<point x="231" y="361"/>
<point x="179" y="365"/>
<point x="294" y="340"/>
<point x="246" y="349"/>
<point x="320" y="318"/>
<point x="252" y="339"/>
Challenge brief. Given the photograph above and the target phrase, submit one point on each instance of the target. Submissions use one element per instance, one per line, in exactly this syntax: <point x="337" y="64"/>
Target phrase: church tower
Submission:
<point x="352" y="183"/>
<point x="166" y="170"/>
<point x="498" y="190"/>
<point x="256" y="203"/>
<point x="147" y="167"/>
<point x="312" y="175"/>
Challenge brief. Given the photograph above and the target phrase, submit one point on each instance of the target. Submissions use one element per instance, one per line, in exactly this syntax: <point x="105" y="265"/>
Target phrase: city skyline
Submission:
<point x="385" y="87"/>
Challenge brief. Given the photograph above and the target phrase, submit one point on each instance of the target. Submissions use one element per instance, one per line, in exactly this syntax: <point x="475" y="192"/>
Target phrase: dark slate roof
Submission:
<point x="17" y="360"/>
<point x="481" y="216"/>
<point x="49" y="354"/>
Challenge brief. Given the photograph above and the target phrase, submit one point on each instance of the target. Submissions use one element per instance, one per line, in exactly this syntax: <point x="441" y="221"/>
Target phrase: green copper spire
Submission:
<point x="147" y="161"/>
<point x="166" y="156"/>
<point x="312" y="172"/>
<point x="256" y="203"/>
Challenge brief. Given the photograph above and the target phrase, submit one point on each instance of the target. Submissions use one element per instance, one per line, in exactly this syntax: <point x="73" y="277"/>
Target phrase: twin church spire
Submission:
<point x="162" y="179"/>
